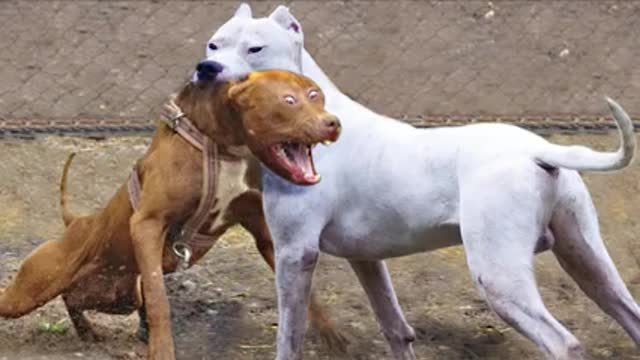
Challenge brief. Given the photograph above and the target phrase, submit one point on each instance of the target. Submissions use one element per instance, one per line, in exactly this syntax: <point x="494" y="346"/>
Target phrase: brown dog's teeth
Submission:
<point x="280" y="151"/>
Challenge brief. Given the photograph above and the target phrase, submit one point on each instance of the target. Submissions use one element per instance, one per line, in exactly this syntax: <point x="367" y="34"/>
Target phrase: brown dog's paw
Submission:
<point x="337" y="343"/>
<point x="90" y="336"/>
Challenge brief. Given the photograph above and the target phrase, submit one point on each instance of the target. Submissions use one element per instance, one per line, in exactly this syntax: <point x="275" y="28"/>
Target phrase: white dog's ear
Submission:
<point x="244" y="10"/>
<point x="283" y="17"/>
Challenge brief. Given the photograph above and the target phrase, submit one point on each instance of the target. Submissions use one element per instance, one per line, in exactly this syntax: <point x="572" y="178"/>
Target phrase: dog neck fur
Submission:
<point x="207" y="107"/>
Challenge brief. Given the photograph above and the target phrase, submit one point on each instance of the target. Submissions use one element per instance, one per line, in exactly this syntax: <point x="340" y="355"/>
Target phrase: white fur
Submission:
<point x="389" y="190"/>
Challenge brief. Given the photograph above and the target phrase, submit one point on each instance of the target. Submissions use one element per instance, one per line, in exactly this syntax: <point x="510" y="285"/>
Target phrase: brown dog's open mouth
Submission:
<point x="296" y="159"/>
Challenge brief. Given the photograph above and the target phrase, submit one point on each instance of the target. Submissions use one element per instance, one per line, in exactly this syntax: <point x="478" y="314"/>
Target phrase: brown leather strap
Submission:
<point x="134" y="188"/>
<point x="202" y="240"/>
<point x="181" y="125"/>
<point x="173" y="116"/>
<point x="208" y="200"/>
<point x="190" y="133"/>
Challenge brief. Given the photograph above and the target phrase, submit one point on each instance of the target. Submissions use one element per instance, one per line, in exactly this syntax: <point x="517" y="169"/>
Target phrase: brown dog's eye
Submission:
<point x="313" y="94"/>
<point x="289" y="99"/>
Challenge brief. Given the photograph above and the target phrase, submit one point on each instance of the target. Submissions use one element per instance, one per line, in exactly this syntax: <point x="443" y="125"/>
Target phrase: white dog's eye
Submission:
<point x="313" y="94"/>
<point x="255" y="49"/>
<point x="289" y="99"/>
<point x="213" y="46"/>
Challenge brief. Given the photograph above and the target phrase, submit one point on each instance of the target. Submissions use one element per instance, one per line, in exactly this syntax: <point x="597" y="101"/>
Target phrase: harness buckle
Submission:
<point x="183" y="252"/>
<point x="174" y="121"/>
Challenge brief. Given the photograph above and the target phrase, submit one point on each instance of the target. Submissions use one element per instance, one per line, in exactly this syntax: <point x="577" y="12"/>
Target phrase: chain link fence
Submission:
<point x="111" y="60"/>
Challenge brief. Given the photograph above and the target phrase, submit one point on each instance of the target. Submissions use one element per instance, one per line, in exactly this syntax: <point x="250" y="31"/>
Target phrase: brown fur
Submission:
<point x="95" y="266"/>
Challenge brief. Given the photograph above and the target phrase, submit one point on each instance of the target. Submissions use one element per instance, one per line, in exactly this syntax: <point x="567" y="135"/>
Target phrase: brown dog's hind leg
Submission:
<point x="44" y="274"/>
<point x="80" y="322"/>
<point x="247" y="209"/>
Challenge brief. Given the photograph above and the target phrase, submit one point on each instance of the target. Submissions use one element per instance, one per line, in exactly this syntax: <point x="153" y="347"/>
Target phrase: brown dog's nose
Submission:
<point x="332" y="122"/>
<point x="333" y="126"/>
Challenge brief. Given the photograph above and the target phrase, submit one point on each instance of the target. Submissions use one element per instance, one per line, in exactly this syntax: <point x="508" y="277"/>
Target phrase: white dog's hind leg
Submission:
<point x="375" y="280"/>
<point x="581" y="252"/>
<point x="500" y="227"/>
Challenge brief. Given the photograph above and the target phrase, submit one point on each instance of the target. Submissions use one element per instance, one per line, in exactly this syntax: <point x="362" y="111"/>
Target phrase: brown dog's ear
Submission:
<point x="238" y="87"/>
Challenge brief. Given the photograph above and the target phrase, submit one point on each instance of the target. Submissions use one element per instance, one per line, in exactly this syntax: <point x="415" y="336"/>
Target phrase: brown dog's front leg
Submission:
<point x="248" y="210"/>
<point x="147" y="237"/>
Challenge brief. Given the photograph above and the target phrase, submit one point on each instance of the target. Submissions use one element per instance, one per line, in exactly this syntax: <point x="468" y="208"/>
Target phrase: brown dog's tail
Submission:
<point x="67" y="216"/>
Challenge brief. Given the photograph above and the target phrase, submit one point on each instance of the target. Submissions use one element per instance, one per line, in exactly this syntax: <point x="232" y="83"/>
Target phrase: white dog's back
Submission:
<point x="389" y="190"/>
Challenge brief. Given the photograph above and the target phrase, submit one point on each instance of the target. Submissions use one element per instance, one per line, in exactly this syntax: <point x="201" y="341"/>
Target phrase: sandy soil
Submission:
<point x="224" y="308"/>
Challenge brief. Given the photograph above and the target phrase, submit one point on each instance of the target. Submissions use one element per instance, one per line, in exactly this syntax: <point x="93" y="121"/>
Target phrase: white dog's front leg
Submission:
<point x="294" y="270"/>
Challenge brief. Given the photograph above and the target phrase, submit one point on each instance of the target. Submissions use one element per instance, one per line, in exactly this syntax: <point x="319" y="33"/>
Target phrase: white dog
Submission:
<point x="389" y="190"/>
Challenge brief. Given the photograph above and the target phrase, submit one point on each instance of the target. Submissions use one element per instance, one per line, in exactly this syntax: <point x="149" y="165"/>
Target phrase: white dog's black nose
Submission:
<point x="208" y="70"/>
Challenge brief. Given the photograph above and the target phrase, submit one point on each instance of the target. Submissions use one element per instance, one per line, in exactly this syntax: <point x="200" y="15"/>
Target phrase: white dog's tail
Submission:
<point x="582" y="158"/>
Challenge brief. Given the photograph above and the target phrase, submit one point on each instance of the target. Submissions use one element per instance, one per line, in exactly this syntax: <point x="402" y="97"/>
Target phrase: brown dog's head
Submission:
<point x="277" y="114"/>
<point x="283" y="117"/>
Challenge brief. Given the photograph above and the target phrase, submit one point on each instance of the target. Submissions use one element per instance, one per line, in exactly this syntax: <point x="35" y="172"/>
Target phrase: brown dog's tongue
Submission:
<point x="302" y="158"/>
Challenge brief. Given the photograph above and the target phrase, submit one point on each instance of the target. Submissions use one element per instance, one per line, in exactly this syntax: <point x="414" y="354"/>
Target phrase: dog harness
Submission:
<point x="188" y="234"/>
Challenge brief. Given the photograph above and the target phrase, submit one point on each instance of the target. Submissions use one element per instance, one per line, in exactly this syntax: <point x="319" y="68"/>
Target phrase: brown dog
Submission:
<point x="276" y="115"/>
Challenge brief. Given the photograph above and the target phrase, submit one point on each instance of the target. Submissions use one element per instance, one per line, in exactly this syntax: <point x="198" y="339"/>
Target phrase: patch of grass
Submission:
<point x="58" y="327"/>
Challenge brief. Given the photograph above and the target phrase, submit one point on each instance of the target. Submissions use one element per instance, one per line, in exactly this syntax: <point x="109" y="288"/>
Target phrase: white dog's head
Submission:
<point x="244" y="44"/>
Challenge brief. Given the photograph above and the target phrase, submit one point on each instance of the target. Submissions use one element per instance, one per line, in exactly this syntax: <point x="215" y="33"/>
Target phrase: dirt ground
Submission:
<point x="224" y="308"/>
